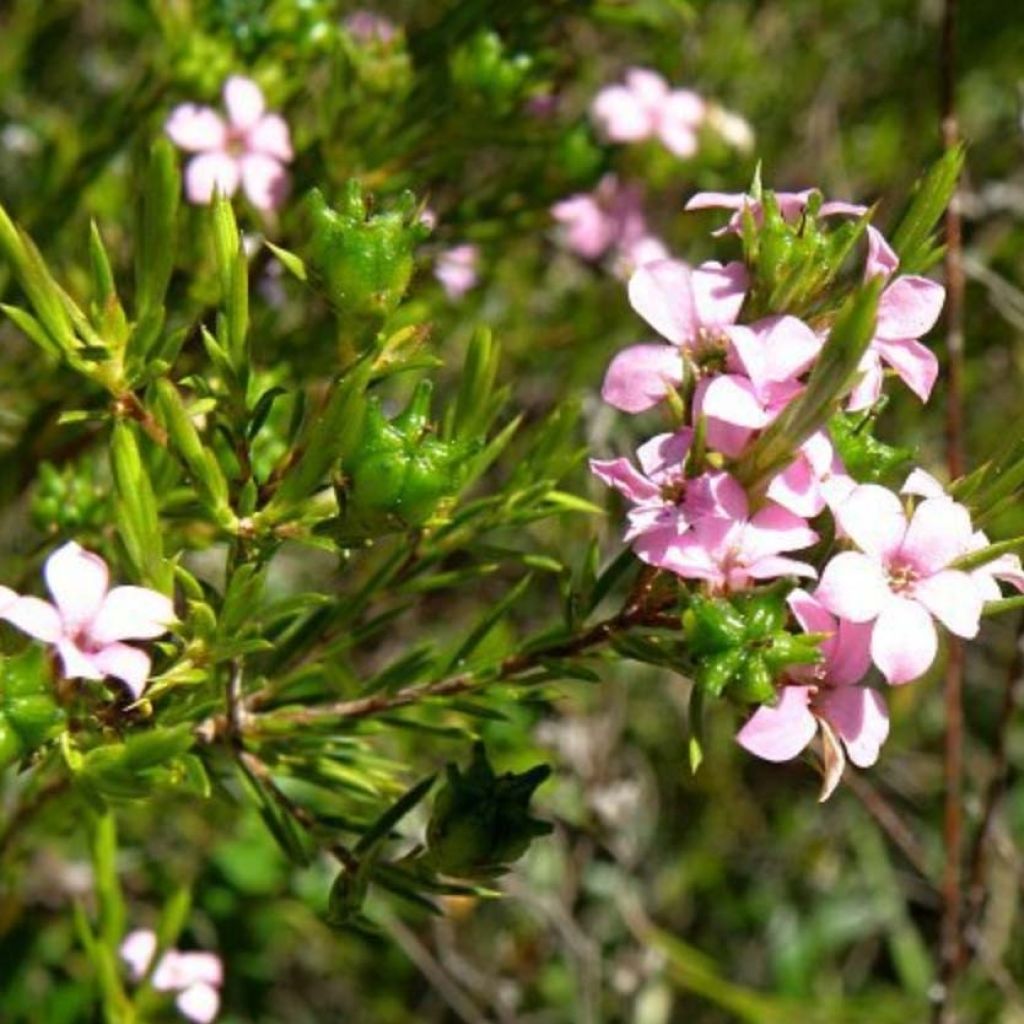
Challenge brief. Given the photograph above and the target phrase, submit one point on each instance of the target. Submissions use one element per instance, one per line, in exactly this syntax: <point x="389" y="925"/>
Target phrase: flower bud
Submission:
<point x="363" y="261"/>
<point x="67" y="500"/>
<point x="481" y="821"/>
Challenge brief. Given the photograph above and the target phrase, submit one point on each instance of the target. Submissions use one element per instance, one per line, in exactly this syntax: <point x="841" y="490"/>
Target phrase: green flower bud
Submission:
<point x="363" y="262"/>
<point x="715" y="672"/>
<point x="481" y="821"/>
<point x="68" y="500"/>
<point x="11" y="747"/>
<point x="400" y="473"/>
<point x="754" y="683"/>
<point x="712" y="625"/>
<point x="487" y="76"/>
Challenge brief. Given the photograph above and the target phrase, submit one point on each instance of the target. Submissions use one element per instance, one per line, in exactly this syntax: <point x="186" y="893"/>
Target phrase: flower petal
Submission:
<point x="915" y="364"/>
<point x="733" y="399"/>
<point x="848" y="657"/>
<point x="952" y="598"/>
<point x="264" y="181"/>
<point x="662" y="293"/>
<point x="199" y="1002"/>
<point x="719" y="291"/>
<point x="770" y="567"/>
<point x="882" y="260"/>
<point x="774" y="529"/>
<point x="861" y="719"/>
<point x="903" y="641"/>
<point x="622" y="475"/>
<point x="209" y="173"/>
<point x="853" y="587"/>
<point x="779" y="733"/>
<point x="244" y="101"/>
<point x="36" y="617"/>
<point x="909" y="308"/>
<point x="137" y="951"/>
<point x="940" y="531"/>
<point x="131" y="613"/>
<point x="621" y="115"/>
<point x="640" y="376"/>
<point x="195" y="128"/>
<point x="128" y="664"/>
<point x="78" y="581"/>
<point x="77" y="664"/>
<point x="271" y="137"/>
<point x="873" y="518"/>
<point x="661" y="458"/>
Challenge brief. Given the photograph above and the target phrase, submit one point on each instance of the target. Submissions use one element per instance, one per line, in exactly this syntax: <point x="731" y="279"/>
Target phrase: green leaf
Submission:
<point x="487" y="623"/>
<point x="382" y="827"/>
<point x="912" y="240"/>
<point x="155" y="245"/>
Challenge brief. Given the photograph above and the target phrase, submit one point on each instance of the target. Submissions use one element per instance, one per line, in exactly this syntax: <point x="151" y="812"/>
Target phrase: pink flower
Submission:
<point x="791" y="206"/>
<point x="815" y="480"/>
<point x="666" y="503"/>
<point x="196" y="977"/>
<point x="694" y="309"/>
<point x="732" y="553"/>
<point x="763" y="362"/>
<point x="610" y="217"/>
<point x="250" y="148"/>
<point x="88" y="622"/>
<point x="369" y="27"/>
<point x="902" y="577"/>
<point x="645" y="107"/>
<point x="456" y="269"/>
<point x="907" y="309"/>
<point x="829" y="701"/>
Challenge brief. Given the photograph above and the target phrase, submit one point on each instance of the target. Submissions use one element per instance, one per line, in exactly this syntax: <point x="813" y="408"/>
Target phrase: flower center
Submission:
<point x="902" y="577"/>
<point x="709" y="350"/>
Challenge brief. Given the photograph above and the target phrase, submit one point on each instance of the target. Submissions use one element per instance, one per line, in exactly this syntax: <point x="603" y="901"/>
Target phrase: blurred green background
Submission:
<point x="729" y="896"/>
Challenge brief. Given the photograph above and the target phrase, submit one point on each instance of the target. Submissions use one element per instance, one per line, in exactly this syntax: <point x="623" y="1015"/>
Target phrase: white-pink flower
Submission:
<point x="733" y="554"/>
<point x="908" y="308"/>
<point x="825" y="698"/>
<point x="88" y="622"/>
<point x="249" y="149"/>
<point x="692" y="308"/>
<point x="902" y="577"/>
<point x="196" y="977"/>
<point x="456" y="269"/>
<point x="644" y="107"/>
<point x="666" y="503"/>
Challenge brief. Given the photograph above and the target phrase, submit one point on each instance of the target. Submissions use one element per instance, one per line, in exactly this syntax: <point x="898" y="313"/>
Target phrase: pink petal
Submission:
<point x="137" y="950"/>
<point x="903" y="641"/>
<point x="733" y="399"/>
<point x="868" y="388"/>
<point x="77" y="664"/>
<point x="128" y="664"/>
<point x="621" y="115"/>
<point x="950" y="596"/>
<point x="270" y="136"/>
<point x="621" y="475"/>
<point x="923" y="485"/>
<point x="716" y="494"/>
<point x="640" y="377"/>
<point x="1006" y="568"/>
<point x="588" y="230"/>
<point x="909" y="308"/>
<point x="790" y="346"/>
<point x="861" y="719"/>
<point x="661" y="458"/>
<point x="36" y="617"/>
<point x="717" y="201"/>
<point x="195" y="129"/>
<point x="662" y="293"/>
<point x="209" y="173"/>
<point x="199" y="1002"/>
<point x="853" y="587"/>
<point x="770" y="567"/>
<point x="199" y="968"/>
<point x="719" y="291"/>
<point x="881" y="258"/>
<point x="244" y="101"/>
<point x="940" y="531"/>
<point x="873" y="518"/>
<point x="681" y="114"/>
<point x="840" y="208"/>
<point x="264" y="181"/>
<point x="78" y="580"/>
<point x="812" y="615"/>
<point x="774" y="529"/>
<point x="796" y="488"/>
<point x="648" y="86"/>
<point x="848" y="654"/>
<point x="131" y="613"/>
<point x="916" y="365"/>
<point x="779" y="733"/>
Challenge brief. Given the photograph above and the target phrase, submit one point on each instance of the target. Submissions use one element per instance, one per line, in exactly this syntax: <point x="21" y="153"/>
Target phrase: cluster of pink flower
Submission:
<point x="897" y="572"/>
<point x="194" y="977"/>
<point x="88" y="622"/>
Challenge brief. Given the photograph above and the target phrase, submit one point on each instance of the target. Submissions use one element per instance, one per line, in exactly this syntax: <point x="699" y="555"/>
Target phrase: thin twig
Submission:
<point x="950" y="958"/>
